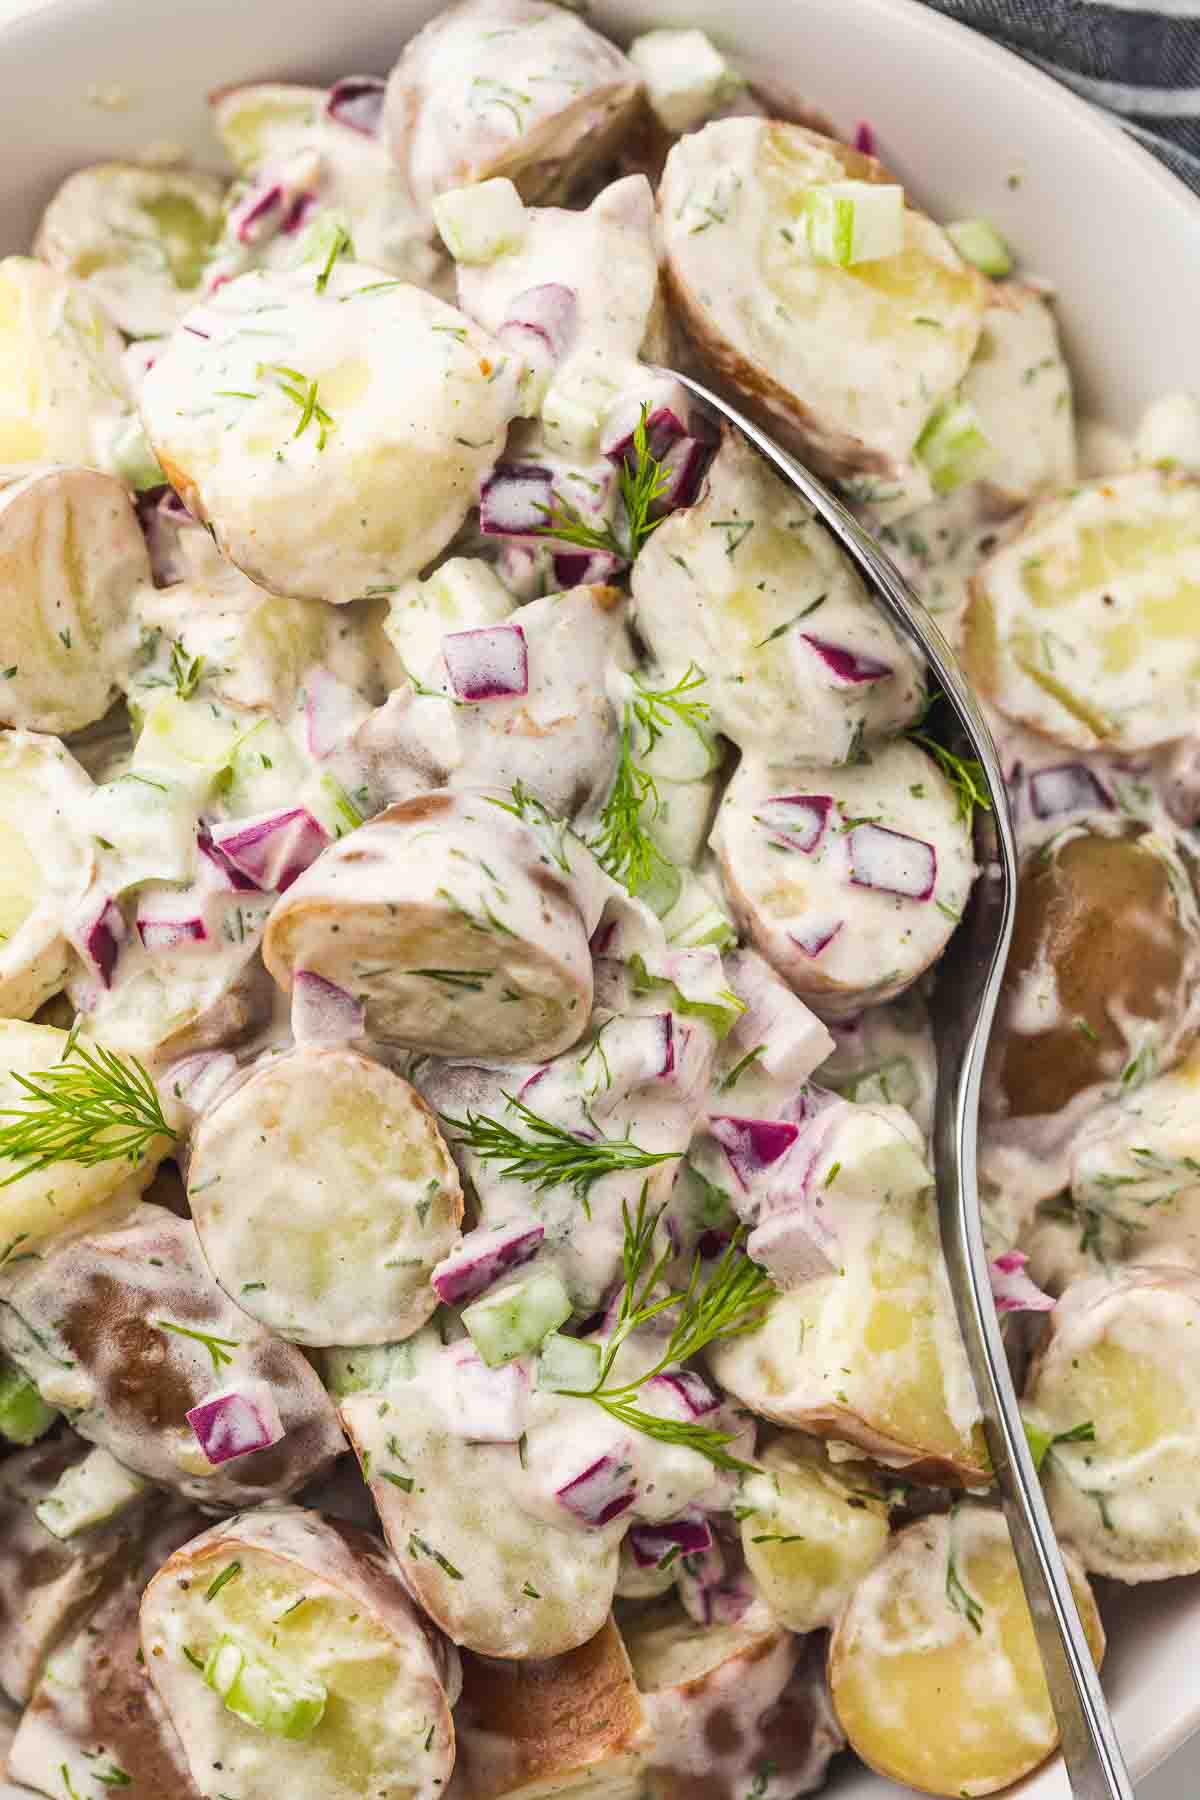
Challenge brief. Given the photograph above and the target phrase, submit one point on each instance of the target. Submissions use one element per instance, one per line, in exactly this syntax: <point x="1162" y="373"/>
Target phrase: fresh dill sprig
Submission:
<point x="526" y="806"/>
<point x="186" y="671"/>
<point x="642" y="484"/>
<point x="964" y="774"/>
<point x="341" y="245"/>
<point x="656" y="709"/>
<point x="623" y="847"/>
<point x="93" y="1107"/>
<point x="551" y="1156"/>
<point x="218" y="1347"/>
<point x="728" y="1305"/>
<point x="303" y="393"/>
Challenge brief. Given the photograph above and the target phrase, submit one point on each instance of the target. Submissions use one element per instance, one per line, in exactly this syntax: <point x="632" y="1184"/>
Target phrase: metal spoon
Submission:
<point x="963" y="1007"/>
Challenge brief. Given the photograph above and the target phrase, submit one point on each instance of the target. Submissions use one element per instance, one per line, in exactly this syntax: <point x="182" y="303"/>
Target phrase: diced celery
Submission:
<point x="369" y="1368"/>
<point x="189" y="738"/>
<point x="682" y="752"/>
<point x="849" y="222"/>
<point x="24" y="1415"/>
<point x="697" y="920"/>
<point x="129" y="455"/>
<point x="515" y="1319"/>
<point x="574" y="411"/>
<point x="980" y="243"/>
<point x="88" y="1493"/>
<point x="952" y="446"/>
<point x="284" y="1701"/>
<point x="893" y="1083"/>
<point x="566" y="1365"/>
<point x="661" y="888"/>
<point x="480" y="223"/>
<point x="686" y="77"/>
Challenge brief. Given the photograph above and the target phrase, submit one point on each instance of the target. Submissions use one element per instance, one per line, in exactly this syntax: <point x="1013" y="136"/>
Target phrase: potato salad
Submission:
<point x="473" y="863"/>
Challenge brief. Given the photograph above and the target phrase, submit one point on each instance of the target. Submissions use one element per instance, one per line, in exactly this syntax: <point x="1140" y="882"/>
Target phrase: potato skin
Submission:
<point x="1111" y="917"/>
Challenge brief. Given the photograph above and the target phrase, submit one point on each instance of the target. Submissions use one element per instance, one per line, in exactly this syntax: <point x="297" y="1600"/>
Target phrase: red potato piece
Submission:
<point x="126" y="1324"/>
<point x="167" y="1006"/>
<point x="838" y="942"/>
<point x="72" y="558"/>
<point x="94" y="1714"/>
<point x="47" y="1584"/>
<point x="569" y="1725"/>
<point x="62" y="377"/>
<point x="46" y="864"/>
<point x="334" y="1239"/>
<point x="841" y="363"/>
<point x="319" y="1601"/>
<point x="448" y="919"/>
<point x="507" y="87"/>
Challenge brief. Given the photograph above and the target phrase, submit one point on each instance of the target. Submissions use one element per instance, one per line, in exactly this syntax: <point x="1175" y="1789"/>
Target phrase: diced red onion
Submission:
<point x="549" y="312"/>
<point x="1012" y="1289"/>
<point x="216" y="870"/>
<point x="485" y="1406"/>
<point x="98" y="934"/>
<point x="800" y="819"/>
<point x="891" y="862"/>
<point x="603" y="1491"/>
<point x="728" y="1602"/>
<point x="697" y="1579"/>
<point x="686" y="1394"/>
<point x="357" y="101"/>
<point x="532" y="1080"/>
<point x="1068" y="787"/>
<point x="649" y="1544"/>
<point x="849" y="666"/>
<point x="483" y="1257"/>
<point x="817" y="936"/>
<point x="864" y="138"/>
<point x="296" y="216"/>
<point x="197" y="1080"/>
<point x="785" y="1245"/>
<point x="251" y="220"/>
<point x="752" y="1145"/>
<point x="515" y="500"/>
<point x="663" y="429"/>
<point x="683" y="465"/>
<point x="273" y="849"/>
<point x="579" y="568"/>
<point x="172" y="507"/>
<point x="169" y="922"/>
<point x="236" y="1422"/>
<point x="489" y="664"/>
<point x="322" y="1012"/>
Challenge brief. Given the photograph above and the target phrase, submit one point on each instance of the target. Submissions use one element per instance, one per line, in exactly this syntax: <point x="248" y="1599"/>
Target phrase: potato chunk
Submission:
<point x="934" y="1668"/>
<point x="810" y="1531"/>
<point x="339" y="452"/>
<point x="747" y="586"/>
<point x="1118" y="1358"/>
<point x="507" y="87"/>
<point x="848" y="364"/>
<point x="72" y="558"/>
<point x="62" y="383"/>
<point x="331" y="1238"/>
<point x="1085" y="625"/>
<point x="46" y="864"/>
<point x="450" y="922"/>
<point x="1020" y="389"/>
<point x="341" y="1687"/>
<point x="136" y="237"/>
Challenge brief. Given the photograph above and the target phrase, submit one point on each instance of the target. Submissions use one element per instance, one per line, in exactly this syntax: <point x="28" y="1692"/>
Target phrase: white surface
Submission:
<point x="971" y="129"/>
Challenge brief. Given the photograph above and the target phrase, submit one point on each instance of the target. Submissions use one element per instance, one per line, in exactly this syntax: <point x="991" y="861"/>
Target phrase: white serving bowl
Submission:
<point x="968" y="127"/>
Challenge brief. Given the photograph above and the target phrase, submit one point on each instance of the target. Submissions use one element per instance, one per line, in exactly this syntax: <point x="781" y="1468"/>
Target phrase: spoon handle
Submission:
<point x="964" y="1004"/>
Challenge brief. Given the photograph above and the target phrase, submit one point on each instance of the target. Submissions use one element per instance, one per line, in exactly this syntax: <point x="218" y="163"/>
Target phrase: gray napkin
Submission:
<point x="1140" y="61"/>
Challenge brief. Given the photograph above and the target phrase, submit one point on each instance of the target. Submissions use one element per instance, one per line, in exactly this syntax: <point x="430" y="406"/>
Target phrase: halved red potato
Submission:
<point x="62" y="381"/>
<point x="449" y="921"/>
<point x="136" y="237"/>
<point x="1117" y="1358"/>
<point x="288" y="1653"/>
<point x="569" y="1725"/>
<point x="1084" y="625"/>
<point x="170" y="1004"/>
<point x="748" y="587"/>
<point x="94" y="1722"/>
<point x="333" y="1237"/>
<point x="46" y="863"/>
<point x="849" y="881"/>
<point x="507" y="87"/>
<point x="1020" y="389"/>
<point x="846" y="364"/>
<point x="123" y="1324"/>
<point x="39" y="1203"/>
<point x="72" y="558"/>
<point x="47" y="1584"/>
<point x="811" y="1530"/>
<point x="341" y="451"/>
<point x="935" y="1671"/>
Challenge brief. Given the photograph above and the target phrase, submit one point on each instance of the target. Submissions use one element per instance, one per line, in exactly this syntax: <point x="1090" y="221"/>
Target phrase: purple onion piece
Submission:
<point x="274" y="849"/>
<point x="486" y="1406"/>
<point x="250" y="219"/>
<point x="515" y="500"/>
<point x="649" y="1544"/>
<point x="849" y="666"/>
<point x="603" y="1491"/>
<point x="158" y="934"/>
<point x="550" y="312"/>
<point x="296" y="216"/>
<point x="799" y="819"/>
<point x="323" y="1013"/>
<point x="357" y="102"/>
<point x="197" y="1080"/>
<point x="98" y="936"/>
<point x="579" y="568"/>
<point x="1068" y="787"/>
<point x="217" y="870"/>
<point x="483" y="1257"/>
<point x="488" y="664"/>
<point x="683" y="465"/>
<point x="685" y="1394"/>
<point x="864" y="138"/>
<point x="1012" y="1289"/>
<point x="329" y="713"/>
<point x="752" y="1145"/>
<point x="663" y="429"/>
<point x="785" y="1243"/>
<point x="666" y="1026"/>
<point x="891" y="862"/>
<point x="818" y="936"/>
<point x="236" y="1422"/>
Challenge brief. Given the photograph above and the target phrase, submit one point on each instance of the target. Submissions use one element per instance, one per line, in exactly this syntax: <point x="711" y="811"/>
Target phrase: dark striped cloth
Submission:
<point x="1140" y="60"/>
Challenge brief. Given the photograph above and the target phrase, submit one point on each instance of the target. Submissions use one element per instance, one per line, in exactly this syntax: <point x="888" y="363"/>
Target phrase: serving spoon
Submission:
<point x="962" y="1010"/>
